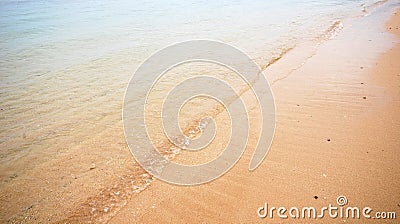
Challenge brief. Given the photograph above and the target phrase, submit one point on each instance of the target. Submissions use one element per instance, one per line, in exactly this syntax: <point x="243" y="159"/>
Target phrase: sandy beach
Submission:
<point x="337" y="134"/>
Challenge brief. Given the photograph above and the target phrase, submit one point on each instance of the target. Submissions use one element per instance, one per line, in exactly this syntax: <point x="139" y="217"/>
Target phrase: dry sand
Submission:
<point x="338" y="128"/>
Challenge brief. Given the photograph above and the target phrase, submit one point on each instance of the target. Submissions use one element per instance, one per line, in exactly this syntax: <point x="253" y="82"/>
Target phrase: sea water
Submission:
<point x="59" y="59"/>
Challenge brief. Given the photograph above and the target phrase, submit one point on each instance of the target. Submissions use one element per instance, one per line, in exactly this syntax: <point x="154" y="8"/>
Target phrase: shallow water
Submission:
<point x="60" y="58"/>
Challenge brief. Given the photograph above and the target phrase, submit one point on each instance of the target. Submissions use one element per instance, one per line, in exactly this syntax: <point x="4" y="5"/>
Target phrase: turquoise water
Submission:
<point x="43" y="36"/>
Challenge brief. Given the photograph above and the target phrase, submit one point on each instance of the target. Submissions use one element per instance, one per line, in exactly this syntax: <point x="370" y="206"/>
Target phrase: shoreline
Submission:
<point x="297" y="162"/>
<point x="324" y="147"/>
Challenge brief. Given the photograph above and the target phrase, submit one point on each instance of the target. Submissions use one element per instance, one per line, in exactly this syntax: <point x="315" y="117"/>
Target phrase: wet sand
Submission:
<point x="338" y="122"/>
<point x="337" y="134"/>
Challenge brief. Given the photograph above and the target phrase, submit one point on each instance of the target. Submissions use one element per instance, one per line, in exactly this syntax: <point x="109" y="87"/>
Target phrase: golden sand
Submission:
<point x="338" y="122"/>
